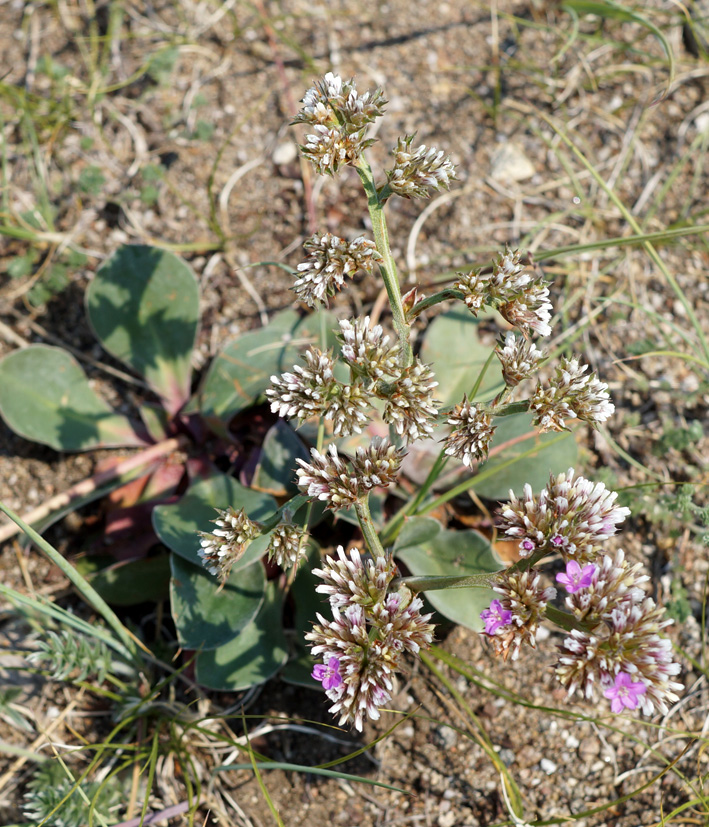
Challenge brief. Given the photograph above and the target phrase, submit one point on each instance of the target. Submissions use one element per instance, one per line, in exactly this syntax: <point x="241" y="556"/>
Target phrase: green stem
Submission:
<point x="87" y="591"/>
<point x="367" y="525"/>
<point x="387" y="265"/>
<point x="512" y="408"/>
<point x="436" y="298"/>
<point x="292" y="506"/>
<point x="471" y="482"/>
<point x="564" y="620"/>
<point x="427" y="583"/>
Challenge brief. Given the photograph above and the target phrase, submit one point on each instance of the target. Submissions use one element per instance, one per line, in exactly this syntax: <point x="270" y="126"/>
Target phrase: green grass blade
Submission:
<point x="630" y="218"/>
<point x="92" y="597"/>
<point x="281" y="765"/>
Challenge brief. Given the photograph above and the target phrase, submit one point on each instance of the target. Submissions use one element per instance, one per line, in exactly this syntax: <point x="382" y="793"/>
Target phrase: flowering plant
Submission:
<point x="614" y="641"/>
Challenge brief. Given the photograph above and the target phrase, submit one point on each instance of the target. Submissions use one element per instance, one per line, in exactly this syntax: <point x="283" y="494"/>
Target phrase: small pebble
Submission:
<point x="445" y="737"/>
<point x="285" y="153"/>
<point x="549" y="767"/>
<point x="507" y="757"/>
<point x="509" y="163"/>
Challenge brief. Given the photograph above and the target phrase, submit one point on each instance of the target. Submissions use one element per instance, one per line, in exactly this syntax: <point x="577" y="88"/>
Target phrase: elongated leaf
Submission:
<point x="177" y="525"/>
<point x="254" y="655"/>
<point x="454" y="350"/>
<point x="243" y="370"/>
<point x="143" y="305"/>
<point x="46" y="397"/>
<point x="429" y="549"/>
<point x="207" y="617"/>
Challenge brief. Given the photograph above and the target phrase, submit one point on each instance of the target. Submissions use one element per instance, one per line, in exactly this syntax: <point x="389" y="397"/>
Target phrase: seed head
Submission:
<point x="518" y="291"/>
<point x="339" y="117"/>
<point x="334" y="102"/>
<point x="226" y="544"/>
<point x="571" y="394"/>
<point x="622" y="636"/>
<point x="306" y="391"/>
<point x="353" y="580"/>
<point x="410" y="404"/>
<point x="329" y="478"/>
<point x="471" y="434"/>
<point x="378" y="464"/>
<point x="347" y="408"/>
<point x="523" y="602"/>
<point x="399" y="619"/>
<point x="330" y="261"/>
<point x="571" y="515"/>
<point x="287" y="546"/>
<point x="418" y="171"/>
<point x="367" y="350"/>
<point x="519" y="358"/>
<point x="370" y="631"/>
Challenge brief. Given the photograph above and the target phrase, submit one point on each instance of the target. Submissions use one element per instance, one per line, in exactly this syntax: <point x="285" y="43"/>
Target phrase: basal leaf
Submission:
<point x="133" y="581"/>
<point x="243" y="370"/>
<point x="46" y="397"/>
<point x="254" y="655"/>
<point x="177" y="525"/>
<point x="275" y="472"/>
<point x="307" y="603"/>
<point x="207" y="617"/>
<point x="454" y="350"/>
<point x="529" y="457"/>
<point x="429" y="549"/>
<point x="143" y="305"/>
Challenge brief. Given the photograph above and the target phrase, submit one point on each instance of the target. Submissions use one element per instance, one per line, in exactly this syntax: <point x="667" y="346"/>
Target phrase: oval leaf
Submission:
<point x="453" y="349"/>
<point x="275" y="472"/>
<point x="46" y="397"/>
<point x="177" y="525"/>
<point x="243" y="370"/>
<point x="205" y="615"/>
<point x="134" y="581"/>
<point x="429" y="549"/>
<point x="307" y="604"/>
<point x="143" y="305"/>
<point x="529" y="457"/>
<point x="254" y="656"/>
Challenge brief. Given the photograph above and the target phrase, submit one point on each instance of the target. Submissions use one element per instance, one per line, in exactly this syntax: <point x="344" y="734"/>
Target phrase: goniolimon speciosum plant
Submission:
<point x="614" y="639"/>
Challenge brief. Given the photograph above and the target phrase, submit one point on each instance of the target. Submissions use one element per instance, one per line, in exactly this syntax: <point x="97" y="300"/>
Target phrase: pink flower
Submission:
<point x="576" y="578"/>
<point x="625" y="692"/>
<point x="329" y="676"/>
<point x="495" y="616"/>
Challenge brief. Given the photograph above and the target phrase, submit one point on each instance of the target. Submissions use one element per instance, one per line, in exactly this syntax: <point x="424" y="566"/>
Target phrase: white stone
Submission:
<point x="702" y="122"/>
<point x="285" y="153"/>
<point x="509" y="163"/>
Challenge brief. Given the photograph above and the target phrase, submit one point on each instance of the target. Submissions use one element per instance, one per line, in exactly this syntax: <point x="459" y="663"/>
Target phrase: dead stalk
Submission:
<point x="81" y="489"/>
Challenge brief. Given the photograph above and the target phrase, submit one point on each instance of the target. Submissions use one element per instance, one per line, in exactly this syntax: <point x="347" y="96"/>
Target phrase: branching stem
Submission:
<point x="367" y="525"/>
<point x="387" y="265"/>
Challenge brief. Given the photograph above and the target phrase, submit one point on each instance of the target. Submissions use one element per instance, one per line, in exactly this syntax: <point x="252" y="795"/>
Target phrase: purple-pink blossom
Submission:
<point x="495" y="616"/>
<point x="625" y="692"/>
<point x="329" y="676"/>
<point x="576" y="578"/>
